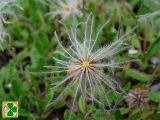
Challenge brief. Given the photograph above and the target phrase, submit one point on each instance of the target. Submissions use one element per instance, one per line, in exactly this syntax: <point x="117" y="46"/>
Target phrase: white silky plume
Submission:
<point x="65" y="8"/>
<point x="5" y="10"/>
<point x="85" y="65"/>
<point x="151" y="14"/>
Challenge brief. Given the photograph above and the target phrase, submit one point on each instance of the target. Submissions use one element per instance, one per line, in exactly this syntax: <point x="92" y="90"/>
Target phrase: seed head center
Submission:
<point x="85" y="64"/>
<point x="68" y="9"/>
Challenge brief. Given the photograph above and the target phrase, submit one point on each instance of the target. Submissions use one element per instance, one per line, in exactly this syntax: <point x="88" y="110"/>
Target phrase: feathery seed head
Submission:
<point x="85" y="65"/>
<point x="65" y="8"/>
<point x="151" y="14"/>
<point x="5" y="9"/>
<point x="137" y="98"/>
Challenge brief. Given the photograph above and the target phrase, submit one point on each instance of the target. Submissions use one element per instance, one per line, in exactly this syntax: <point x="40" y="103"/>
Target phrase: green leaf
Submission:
<point x="127" y="86"/>
<point x="37" y="59"/>
<point x="82" y="104"/>
<point x="154" y="49"/>
<point x="68" y="115"/>
<point x="112" y="97"/>
<point x="118" y="115"/>
<point x="43" y="44"/>
<point x="145" y="114"/>
<point x="9" y="72"/>
<point x="154" y="96"/>
<point x="92" y="8"/>
<point x="156" y="117"/>
<point x="49" y="96"/>
<point x="17" y="87"/>
<point x="136" y="43"/>
<point x="33" y="11"/>
<point x="137" y="75"/>
<point x="99" y="115"/>
<point x="135" y="116"/>
<point x="123" y="111"/>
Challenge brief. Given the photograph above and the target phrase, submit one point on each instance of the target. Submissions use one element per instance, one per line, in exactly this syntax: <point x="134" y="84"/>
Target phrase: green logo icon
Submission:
<point x="10" y="109"/>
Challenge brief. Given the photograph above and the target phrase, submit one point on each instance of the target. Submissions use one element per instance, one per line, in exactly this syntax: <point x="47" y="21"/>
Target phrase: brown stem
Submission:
<point x="99" y="7"/>
<point x="149" y="83"/>
<point x="144" y="45"/>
